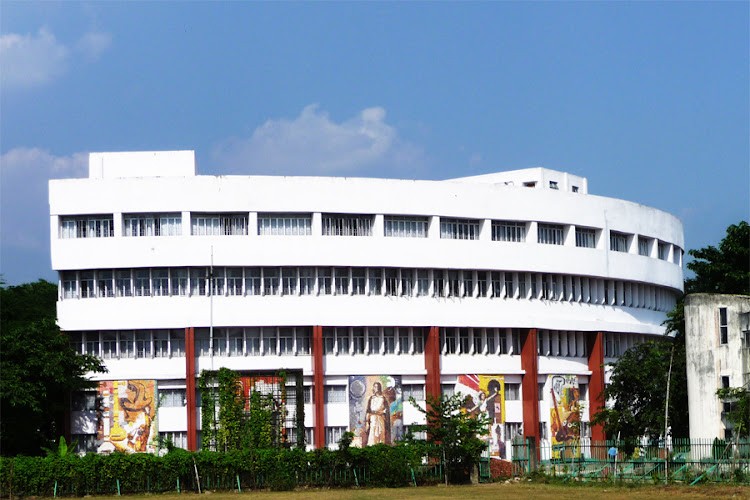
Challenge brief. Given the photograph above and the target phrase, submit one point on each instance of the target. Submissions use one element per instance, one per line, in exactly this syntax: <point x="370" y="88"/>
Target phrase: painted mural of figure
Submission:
<point x="377" y="416"/>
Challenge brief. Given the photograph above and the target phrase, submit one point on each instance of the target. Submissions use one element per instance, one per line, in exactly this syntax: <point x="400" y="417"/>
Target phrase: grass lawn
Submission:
<point x="520" y="490"/>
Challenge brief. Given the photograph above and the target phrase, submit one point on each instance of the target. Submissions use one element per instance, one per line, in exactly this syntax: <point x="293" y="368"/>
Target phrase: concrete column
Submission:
<point x="192" y="410"/>
<point x="319" y="414"/>
<point x="595" y="348"/>
<point x="530" y="384"/>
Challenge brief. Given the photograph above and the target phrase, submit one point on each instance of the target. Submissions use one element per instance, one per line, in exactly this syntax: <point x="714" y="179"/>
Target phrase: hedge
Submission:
<point x="277" y="469"/>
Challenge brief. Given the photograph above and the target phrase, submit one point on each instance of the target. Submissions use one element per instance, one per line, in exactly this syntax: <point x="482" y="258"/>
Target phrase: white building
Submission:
<point x="522" y="275"/>
<point x="717" y="343"/>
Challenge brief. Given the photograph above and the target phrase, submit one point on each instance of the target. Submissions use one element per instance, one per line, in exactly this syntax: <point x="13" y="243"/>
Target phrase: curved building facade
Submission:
<point x="520" y="276"/>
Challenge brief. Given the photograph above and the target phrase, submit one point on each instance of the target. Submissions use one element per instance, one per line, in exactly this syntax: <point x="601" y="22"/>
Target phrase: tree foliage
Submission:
<point x="454" y="436"/>
<point x="638" y="392"/>
<point x="639" y="378"/>
<point x="738" y="399"/>
<point x="38" y="369"/>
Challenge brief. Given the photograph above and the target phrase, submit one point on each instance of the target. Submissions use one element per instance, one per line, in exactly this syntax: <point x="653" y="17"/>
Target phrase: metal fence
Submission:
<point x="682" y="460"/>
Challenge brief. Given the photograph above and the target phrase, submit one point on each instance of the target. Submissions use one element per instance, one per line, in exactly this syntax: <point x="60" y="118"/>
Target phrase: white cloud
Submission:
<point x="92" y="45"/>
<point x="24" y="209"/>
<point x="313" y="144"/>
<point x="31" y="60"/>
<point x="34" y="60"/>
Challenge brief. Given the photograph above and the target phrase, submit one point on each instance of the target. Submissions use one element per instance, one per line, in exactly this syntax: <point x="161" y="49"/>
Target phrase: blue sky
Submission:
<point x="648" y="100"/>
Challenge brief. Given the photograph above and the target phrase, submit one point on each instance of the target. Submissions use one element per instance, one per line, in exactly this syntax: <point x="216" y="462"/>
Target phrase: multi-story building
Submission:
<point x="717" y="344"/>
<point x="514" y="288"/>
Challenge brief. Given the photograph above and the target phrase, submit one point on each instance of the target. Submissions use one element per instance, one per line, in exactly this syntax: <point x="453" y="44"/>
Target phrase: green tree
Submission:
<point x="738" y="399"/>
<point x="454" y="437"/>
<point x="38" y="369"/>
<point x="639" y="378"/>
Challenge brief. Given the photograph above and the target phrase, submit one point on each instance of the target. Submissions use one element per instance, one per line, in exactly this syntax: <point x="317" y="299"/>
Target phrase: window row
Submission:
<point x="373" y="340"/>
<point x="406" y="226"/>
<point x="394" y="282"/>
<point x="476" y="341"/>
<point x="130" y="344"/>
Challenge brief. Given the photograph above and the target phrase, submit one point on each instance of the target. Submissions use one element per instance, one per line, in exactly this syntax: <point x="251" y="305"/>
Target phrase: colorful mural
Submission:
<point x="485" y="394"/>
<point x="128" y="421"/>
<point x="273" y="398"/>
<point x="565" y="415"/>
<point x="375" y="409"/>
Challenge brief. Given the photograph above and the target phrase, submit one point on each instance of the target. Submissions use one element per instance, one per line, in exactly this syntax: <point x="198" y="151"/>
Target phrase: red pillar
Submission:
<point x="192" y="415"/>
<point x="432" y="362"/>
<point x="595" y="345"/>
<point x="319" y="416"/>
<point x="530" y="384"/>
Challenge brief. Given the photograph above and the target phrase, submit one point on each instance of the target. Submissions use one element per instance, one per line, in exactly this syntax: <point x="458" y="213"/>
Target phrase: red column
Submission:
<point x="318" y="399"/>
<point x="432" y="362"/>
<point x="530" y="384"/>
<point x="192" y="427"/>
<point x="595" y="345"/>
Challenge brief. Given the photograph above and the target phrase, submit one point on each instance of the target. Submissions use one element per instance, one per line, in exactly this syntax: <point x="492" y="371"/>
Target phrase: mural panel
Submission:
<point x="485" y="394"/>
<point x="128" y="421"/>
<point x="375" y="409"/>
<point x="565" y="415"/>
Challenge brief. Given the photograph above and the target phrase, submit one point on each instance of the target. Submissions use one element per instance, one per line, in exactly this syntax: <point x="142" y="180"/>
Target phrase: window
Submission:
<point x="553" y="185"/>
<point x="252" y="341"/>
<point x="405" y="227"/>
<point x="723" y="325"/>
<point x="306" y="280"/>
<point x="550" y="234"/>
<point x="87" y="226"/>
<point x="415" y="391"/>
<point x="152" y="224"/>
<point x="513" y="430"/>
<point x="448" y="340"/>
<point x="459" y="229"/>
<point x="583" y="392"/>
<point x="618" y="242"/>
<point x="84" y="443"/>
<point x="289" y="280"/>
<point x="270" y="281"/>
<point x="234" y="281"/>
<point x="177" y="438"/>
<point x="109" y="345"/>
<point x="219" y="224"/>
<point x="177" y="343"/>
<point x="269" y="340"/>
<point x="284" y="224"/>
<point x="335" y="394"/>
<point x="324" y="280"/>
<point x="172" y="398"/>
<point x="359" y="280"/>
<point x="333" y="435"/>
<point x="508" y="231"/>
<point x="83" y="401"/>
<point x="423" y="283"/>
<point x="540" y="391"/>
<point x="447" y="390"/>
<point x="347" y="225"/>
<point x="512" y="392"/>
<point x="252" y="281"/>
<point x="286" y="341"/>
<point x="389" y="340"/>
<point x="341" y="280"/>
<point x="585" y="237"/>
<point x="575" y="189"/>
<point x="179" y="281"/>
<point x="358" y="341"/>
<point x="644" y="246"/>
<point x="725" y="382"/>
<point x="160" y="282"/>
<point x="663" y="250"/>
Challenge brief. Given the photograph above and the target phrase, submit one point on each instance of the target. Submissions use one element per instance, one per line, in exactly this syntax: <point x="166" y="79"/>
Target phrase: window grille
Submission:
<point x="723" y="325"/>
<point x="405" y="227"/>
<point x="512" y="392"/>
<point x="284" y="224"/>
<point x="219" y="224"/>
<point x="644" y="246"/>
<point x="335" y="394"/>
<point x="508" y="231"/>
<point x="585" y="237"/>
<point x="663" y="250"/>
<point x="152" y="224"/>
<point x="550" y="234"/>
<point x="87" y="226"/>
<point x="618" y="242"/>
<point x="459" y="229"/>
<point x="172" y="398"/>
<point x="347" y="225"/>
<point x="415" y="391"/>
